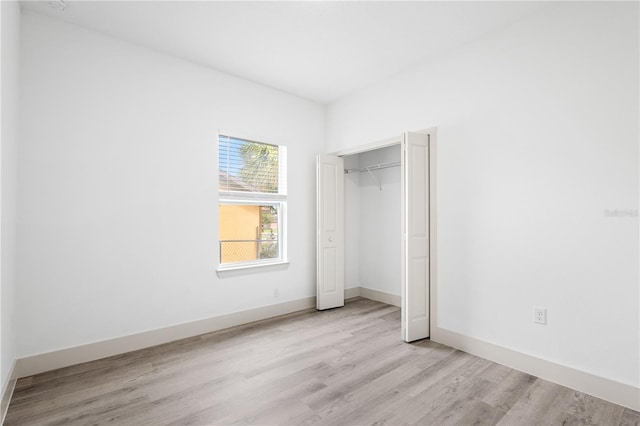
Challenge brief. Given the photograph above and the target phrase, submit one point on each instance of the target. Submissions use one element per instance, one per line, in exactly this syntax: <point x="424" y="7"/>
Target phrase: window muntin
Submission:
<point x="252" y="207"/>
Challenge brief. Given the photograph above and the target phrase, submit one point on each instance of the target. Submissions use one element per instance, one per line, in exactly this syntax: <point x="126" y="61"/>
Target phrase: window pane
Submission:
<point x="248" y="232"/>
<point x="247" y="166"/>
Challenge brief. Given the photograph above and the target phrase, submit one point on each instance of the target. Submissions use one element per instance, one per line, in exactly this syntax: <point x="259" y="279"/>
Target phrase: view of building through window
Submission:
<point x="248" y="232"/>
<point x="252" y="186"/>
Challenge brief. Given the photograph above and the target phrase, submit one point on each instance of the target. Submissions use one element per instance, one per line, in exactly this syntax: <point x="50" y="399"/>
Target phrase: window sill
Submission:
<point x="228" y="270"/>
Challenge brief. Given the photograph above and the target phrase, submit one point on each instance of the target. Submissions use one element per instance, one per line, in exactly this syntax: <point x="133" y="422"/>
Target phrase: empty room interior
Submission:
<point x="319" y="213"/>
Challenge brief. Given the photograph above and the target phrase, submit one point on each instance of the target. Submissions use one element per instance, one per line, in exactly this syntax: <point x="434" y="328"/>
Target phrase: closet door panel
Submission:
<point x="415" y="277"/>
<point x="330" y="232"/>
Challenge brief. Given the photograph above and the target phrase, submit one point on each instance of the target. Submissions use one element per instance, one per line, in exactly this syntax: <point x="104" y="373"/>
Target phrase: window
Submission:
<point x="252" y="183"/>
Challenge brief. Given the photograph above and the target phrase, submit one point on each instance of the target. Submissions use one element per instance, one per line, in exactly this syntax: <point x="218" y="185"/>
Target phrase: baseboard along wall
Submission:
<point x="350" y="293"/>
<point x="380" y="296"/>
<point x="28" y="366"/>
<point x="600" y="387"/>
<point x="7" y="392"/>
<point x="603" y="388"/>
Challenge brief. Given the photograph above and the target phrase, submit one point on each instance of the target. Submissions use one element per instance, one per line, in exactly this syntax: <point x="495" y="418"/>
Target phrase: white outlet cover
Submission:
<point x="540" y="315"/>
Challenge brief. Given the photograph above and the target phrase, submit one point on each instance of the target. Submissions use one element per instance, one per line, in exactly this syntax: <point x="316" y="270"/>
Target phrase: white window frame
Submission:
<point x="257" y="199"/>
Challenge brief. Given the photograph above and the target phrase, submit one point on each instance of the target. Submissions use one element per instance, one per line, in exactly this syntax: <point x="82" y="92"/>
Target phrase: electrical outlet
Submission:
<point x="540" y="315"/>
<point x="276" y="293"/>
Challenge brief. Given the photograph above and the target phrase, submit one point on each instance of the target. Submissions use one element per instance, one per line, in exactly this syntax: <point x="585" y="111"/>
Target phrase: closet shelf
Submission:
<point x="373" y="167"/>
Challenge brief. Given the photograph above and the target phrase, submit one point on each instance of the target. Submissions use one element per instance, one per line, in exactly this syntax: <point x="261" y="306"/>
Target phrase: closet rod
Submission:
<point x="373" y="167"/>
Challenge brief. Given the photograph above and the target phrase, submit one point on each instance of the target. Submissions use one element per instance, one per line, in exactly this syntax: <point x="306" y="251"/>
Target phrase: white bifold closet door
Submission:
<point x="415" y="229"/>
<point x="330" y="232"/>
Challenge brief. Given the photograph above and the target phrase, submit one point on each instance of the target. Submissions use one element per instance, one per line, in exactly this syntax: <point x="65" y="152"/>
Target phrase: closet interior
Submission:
<point x="372" y="204"/>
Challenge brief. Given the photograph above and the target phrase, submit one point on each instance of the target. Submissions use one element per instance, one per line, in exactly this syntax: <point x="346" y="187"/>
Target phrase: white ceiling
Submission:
<point x="317" y="50"/>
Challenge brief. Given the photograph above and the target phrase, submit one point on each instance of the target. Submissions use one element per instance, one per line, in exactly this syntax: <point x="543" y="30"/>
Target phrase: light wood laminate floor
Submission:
<point x="345" y="366"/>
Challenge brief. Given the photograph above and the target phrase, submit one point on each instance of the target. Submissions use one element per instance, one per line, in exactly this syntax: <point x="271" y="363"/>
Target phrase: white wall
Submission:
<point x="537" y="137"/>
<point x="10" y="12"/>
<point x="118" y="210"/>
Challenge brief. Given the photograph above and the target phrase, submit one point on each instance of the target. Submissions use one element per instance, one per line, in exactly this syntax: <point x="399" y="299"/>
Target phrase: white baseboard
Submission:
<point x="600" y="387"/>
<point x="609" y="390"/>
<point x="7" y="392"/>
<point x="28" y="366"/>
<point x="350" y="293"/>
<point x="380" y="296"/>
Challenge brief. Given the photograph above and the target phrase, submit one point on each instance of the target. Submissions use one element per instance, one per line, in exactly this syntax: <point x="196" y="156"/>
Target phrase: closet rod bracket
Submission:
<point x="374" y="179"/>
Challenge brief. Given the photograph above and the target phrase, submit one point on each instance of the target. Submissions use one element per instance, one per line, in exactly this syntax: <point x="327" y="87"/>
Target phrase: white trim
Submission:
<point x="244" y="136"/>
<point x="350" y="293"/>
<point x="229" y="267"/>
<point x="396" y="140"/>
<point x="600" y="387"/>
<point x="239" y="197"/>
<point x="380" y="296"/>
<point x="371" y="294"/>
<point x="40" y="363"/>
<point x="607" y="389"/>
<point x="7" y="391"/>
<point x="433" y="229"/>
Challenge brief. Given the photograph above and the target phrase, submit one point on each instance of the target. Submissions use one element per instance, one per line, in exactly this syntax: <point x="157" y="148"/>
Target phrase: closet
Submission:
<point x="372" y="217"/>
<point x="373" y="225"/>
